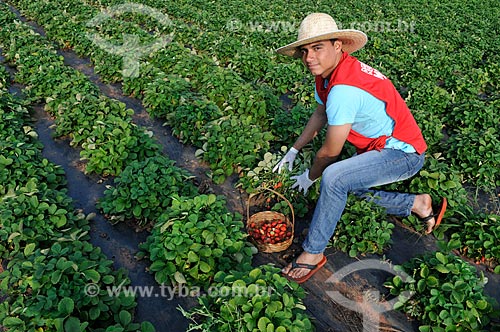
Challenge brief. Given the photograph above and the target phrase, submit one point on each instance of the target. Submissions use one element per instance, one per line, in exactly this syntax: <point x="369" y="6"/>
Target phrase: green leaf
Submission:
<point x="179" y="277"/>
<point x="125" y="318"/>
<point x="262" y="324"/>
<point x="442" y="268"/>
<point x="137" y="211"/>
<point x="447" y="287"/>
<point x="432" y="183"/>
<point x="482" y="304"/>
<point x="441" y="257"/>
<point x="147" y="327"/>
<point x="72" y="324"/>
<point x="66" y="306"/>
<point x="432" y="281"/>
<point x="28" y="250"/>
<point x="205" y="267"/>
<point x="193" y="257"/>
<point x="93" y="275"/>
<point x="421" y="285"/>
<point x="5" y="161"/>
<point x="424" y="272"/>
<point x="13" y="322"/>
<point x="255" y="273"/>
<point x="55" y="276"/>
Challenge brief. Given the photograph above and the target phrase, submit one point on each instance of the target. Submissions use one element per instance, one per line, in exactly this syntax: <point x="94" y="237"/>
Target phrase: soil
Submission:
<point x="120" y="242"/>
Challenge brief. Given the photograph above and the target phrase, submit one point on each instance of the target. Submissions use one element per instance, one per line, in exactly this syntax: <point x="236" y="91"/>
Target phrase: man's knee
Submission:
<point x="335" y="179"/>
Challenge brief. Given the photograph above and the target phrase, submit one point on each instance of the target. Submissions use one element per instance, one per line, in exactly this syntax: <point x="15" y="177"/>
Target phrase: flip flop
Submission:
<point x="312" y="267"/>
<point x="439" y="215"/>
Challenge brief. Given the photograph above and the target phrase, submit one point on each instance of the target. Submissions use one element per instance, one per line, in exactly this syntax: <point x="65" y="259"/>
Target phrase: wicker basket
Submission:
<point x="260" y="217"/>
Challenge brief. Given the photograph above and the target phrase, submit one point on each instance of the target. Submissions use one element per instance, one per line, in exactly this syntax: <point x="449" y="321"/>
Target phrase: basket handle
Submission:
<point x="259" y="190"/>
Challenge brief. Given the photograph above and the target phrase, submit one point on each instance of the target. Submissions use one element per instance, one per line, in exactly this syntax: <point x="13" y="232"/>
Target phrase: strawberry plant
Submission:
<point x="194" y="239"/>
<point x="478" y="238"/>
<point x="232" y="141"/>
<point x="164" y="94"/>
<point x="109" y="139"/>
<point x="447" y="294"/>
<point x="144" y="190"/>
<point x="256" y="300"/>
<point x="88" y="111"/>
<point x="46" y="290"/>
<point x="32" y="216"/>
<point x="286" y="124"/>
<point x="114" y="144"/>
<point x="363" y="228"/>
<point x="190" y="119"/>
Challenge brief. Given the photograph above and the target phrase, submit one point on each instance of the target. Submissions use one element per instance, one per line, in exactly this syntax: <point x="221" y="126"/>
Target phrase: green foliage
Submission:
<point x="51" y="269"/>
<point x="163" y="95"/>
<point x="479" y="238"/>
<point x="48" y="289"/>
<point x="102" y="126"/>
<point x="232" y="141"/>
<point x="446" y="293"/>
<point x="194" y="239"/>
<point x="144" y="190"/>
<point x="256" y="300"/>
<point x="214" y="73"/>
<point x="115" y="144"/>
<point x="288" y="124"/>
<point x="189" y="121"/>
<point x="4" y="79"/>
<point x="363" y="228"/>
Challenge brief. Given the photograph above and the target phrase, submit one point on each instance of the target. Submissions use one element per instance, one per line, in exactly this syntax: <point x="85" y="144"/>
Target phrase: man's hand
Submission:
<point x="288" y="158"/>
<point x="302" y="181"/>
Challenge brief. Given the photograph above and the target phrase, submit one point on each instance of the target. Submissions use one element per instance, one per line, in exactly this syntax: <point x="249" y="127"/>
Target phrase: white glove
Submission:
<point x="302" y="181"/>
<point x="288" y="158"/>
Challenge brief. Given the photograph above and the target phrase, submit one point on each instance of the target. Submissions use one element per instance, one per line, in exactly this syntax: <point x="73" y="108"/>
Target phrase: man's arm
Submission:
<point x="316" y="122"/>
<point x="331" y="149"/>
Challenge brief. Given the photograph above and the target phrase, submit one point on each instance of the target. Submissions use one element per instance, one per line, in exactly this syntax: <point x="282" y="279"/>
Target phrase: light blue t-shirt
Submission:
<point x="349" y="104"/>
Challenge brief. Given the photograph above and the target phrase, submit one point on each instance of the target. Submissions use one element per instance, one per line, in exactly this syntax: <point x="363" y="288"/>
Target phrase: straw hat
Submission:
<point x="319" y="26"/>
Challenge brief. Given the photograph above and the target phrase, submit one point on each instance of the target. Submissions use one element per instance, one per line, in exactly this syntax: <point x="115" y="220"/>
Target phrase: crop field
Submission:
<point x="133" y="135"/>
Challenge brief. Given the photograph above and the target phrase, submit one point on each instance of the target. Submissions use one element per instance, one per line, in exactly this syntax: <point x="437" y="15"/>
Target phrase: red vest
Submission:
<point x="351" y="71"/>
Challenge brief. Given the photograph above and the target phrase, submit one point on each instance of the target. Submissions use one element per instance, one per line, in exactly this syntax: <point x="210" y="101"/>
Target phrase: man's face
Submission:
<point x="322" y="57"/>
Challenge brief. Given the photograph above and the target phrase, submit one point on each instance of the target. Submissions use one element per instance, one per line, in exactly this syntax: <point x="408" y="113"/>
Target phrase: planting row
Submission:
<point x="44" y="242"/>
<point x="101" y="126"/>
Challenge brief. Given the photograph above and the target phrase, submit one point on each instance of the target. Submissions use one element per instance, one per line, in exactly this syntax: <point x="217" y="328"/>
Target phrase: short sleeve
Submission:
<point x="343" y="104"/>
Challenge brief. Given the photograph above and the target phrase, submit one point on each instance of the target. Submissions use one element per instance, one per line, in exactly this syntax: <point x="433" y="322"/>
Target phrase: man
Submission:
<point x="360" y="105"/>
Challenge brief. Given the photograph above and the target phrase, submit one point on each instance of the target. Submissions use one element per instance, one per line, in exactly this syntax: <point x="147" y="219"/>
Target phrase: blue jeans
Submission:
<point x="356" y="175"/>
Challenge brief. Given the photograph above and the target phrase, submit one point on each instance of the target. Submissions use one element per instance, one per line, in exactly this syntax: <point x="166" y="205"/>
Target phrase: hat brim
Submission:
<point x="352" y="40"/>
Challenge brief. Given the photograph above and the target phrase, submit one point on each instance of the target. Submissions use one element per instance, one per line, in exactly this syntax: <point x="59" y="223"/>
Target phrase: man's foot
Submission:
<point x="422" y="207"/>
<point x="304" y="266"/>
